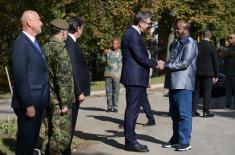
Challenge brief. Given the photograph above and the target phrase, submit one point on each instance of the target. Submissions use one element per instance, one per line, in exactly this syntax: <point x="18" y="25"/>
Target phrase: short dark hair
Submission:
<point x="207" y="33"/>
<point x="55" y="30"/>
<point x="74" y="23"/>
<point x="139" y="17"/>
<point x="186" y="25"/>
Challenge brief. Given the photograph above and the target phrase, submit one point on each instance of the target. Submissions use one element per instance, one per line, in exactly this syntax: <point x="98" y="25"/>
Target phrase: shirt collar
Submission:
<point x="135" y="27"/>
<point x="29" y="36"/>
<point x="184" y="39"/>
<point x="72" y="36"/>
<point x="57" y="41"/>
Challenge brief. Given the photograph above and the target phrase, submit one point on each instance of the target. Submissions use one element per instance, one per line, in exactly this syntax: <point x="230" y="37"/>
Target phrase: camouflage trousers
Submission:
<point x="59" y="130"/>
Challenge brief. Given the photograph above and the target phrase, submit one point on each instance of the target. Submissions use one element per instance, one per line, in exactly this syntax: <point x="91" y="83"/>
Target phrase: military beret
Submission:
<point x="60" y="24"/>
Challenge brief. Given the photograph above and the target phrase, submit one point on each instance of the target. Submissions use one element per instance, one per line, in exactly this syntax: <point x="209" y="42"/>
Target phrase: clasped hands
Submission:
<point x="160" y="65"/>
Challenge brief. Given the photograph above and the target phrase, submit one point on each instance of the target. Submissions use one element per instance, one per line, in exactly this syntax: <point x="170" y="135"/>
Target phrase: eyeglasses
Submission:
<point x="147" y="23"/>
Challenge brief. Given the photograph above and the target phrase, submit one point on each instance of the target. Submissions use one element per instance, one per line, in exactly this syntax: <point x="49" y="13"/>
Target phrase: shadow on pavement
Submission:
<point x="139" y="136"/>
<point x="229" y="113"/>
<point x="6" y="112"/>
<point x="158" y="113"/>
<point x="107" y="139"/>
<point x="108" y="119"/>
<point x="101" y="138"/>
<point x="92" y="109"/>
<point x="97" y="153"/>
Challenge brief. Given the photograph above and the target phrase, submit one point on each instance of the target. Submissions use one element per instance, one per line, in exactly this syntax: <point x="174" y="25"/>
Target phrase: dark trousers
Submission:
<point x="181" y="115"/>
<point x="28" y="132"/>
<point x="147" y="110"/>
<point x="229" y="90"/>
<point x="204" y="87"/>
<point x="134" y="100"/>
<point x="75" y="108"/>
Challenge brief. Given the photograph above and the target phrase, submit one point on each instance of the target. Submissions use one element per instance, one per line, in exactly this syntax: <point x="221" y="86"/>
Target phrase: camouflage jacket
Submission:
<point x="60" y="73"/>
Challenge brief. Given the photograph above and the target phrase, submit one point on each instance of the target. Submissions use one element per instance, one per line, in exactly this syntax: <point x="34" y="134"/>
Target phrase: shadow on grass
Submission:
<point x="10" y="143"/>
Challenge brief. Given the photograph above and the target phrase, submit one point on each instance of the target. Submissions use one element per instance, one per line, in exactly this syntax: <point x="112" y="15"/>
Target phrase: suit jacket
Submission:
<point x="30" y="86"/>
<point x="181" y="66"/>
<point x="79" y="67"/>
<point x="207" y="61"/>
<point x="136" y="62"/>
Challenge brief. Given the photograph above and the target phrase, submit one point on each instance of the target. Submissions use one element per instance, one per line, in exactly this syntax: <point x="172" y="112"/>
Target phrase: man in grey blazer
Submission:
<point x="180" y="80"/>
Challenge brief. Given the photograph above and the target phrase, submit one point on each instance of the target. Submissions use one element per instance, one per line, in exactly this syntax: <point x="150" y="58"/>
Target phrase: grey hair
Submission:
<point x="140" y="16"/>
<point x="207" y="33"/>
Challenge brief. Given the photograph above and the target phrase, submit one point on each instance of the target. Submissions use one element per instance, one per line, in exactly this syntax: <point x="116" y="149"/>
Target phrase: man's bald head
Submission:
<point x="31" y="22"/>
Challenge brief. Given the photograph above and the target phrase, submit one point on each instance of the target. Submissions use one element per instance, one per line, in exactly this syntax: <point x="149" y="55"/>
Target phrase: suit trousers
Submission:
<point x="203" y="86"/>
<point x="112" y="86"/>
<point x="229" y="90"/>
<point x="75" y="108"/>
<point x="28" y="132"/>
<point x="181" y="115"/>
<point x="147" y="110"/>
<point x="135" y="96"/>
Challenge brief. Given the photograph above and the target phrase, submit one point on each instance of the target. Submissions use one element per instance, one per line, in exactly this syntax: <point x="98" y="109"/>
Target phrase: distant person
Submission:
<point x="229" y="70"/>
<point x="62" y="89"/>
<point x="135" y="77"/>
<point x="31" y="88"/>
<point x="113" y="67"/>
<point x="180" y="80"/>
<point x="146" y="105"/>
<point x="80" y="69"/>
<point x="207" y="74"/>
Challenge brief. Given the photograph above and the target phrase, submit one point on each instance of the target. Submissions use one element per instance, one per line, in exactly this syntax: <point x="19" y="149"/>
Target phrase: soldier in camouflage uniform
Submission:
<point x="62" y="90"/>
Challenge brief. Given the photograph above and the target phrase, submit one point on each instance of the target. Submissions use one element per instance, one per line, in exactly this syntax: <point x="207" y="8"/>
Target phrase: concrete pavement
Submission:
<point x="103" y="133"/>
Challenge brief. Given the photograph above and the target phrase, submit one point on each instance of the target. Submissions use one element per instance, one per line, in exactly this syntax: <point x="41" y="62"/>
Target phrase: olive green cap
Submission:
<point x="60" y="24"/>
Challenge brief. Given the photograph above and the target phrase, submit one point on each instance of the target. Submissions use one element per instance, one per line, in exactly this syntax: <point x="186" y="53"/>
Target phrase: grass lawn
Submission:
<point x="100" y="85"/>
<point x="96" y="85"/>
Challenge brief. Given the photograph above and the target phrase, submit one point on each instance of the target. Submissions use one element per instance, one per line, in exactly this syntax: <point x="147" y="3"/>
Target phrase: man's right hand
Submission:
<point x="105" y="51"/>
<point x="81" y="98"/>
<point x="30" y="111"/>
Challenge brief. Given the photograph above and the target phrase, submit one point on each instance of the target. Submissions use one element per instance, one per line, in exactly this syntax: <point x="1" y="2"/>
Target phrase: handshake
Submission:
<point x="160" y="65"/>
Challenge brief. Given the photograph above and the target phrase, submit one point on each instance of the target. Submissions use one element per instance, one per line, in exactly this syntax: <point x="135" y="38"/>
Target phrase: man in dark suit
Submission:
<point x="79" y="68"/>
<point x="207" y="73"/>
<point x="31" y="89"/>
<point x="135" y="77"/>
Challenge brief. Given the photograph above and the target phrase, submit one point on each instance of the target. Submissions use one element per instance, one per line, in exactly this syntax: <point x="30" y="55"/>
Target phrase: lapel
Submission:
<point x="32" y="45"/>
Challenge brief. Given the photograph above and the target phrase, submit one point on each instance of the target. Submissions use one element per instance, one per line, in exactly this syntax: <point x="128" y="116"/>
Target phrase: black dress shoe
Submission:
<point x="144" y="146"/>
<point x="195" y="114"/>
<point x="149" y="124"/>
<point x="136" y="148"/>
<point x="208" y="115"/>
<point x="109" y="110"/>
<point x="115" y="110"/>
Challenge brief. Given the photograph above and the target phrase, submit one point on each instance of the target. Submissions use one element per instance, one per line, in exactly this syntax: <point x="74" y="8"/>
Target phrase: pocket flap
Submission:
<point x="36" y="86"/>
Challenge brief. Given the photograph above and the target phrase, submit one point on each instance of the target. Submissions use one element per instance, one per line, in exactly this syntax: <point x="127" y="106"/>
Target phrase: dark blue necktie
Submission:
<point x="38" y="47"/>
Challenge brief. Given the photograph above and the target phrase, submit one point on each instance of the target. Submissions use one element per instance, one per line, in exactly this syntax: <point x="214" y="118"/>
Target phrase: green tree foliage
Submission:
<point x="107" y="18"/>
<point x="216" y="15"/>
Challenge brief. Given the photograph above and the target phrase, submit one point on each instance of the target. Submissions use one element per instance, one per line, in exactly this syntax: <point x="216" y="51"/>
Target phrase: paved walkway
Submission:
<point x="101" y="133"/>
